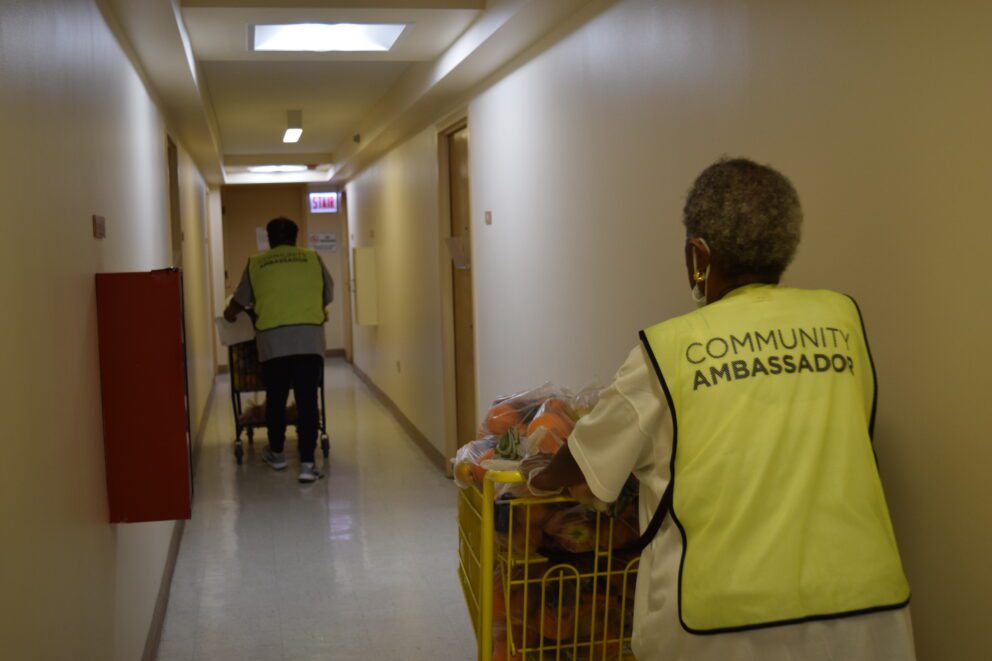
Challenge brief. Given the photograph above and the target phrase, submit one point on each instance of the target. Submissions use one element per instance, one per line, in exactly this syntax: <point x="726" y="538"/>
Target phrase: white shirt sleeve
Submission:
<point x="244" y="294"/>
<point x="622" y="433"/>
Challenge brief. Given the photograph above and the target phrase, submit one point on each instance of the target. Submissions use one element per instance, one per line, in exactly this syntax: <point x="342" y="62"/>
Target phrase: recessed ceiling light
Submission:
<point x="272" y="169"/>
<point x="323" y="37"/>
<point x="294" y="126"/>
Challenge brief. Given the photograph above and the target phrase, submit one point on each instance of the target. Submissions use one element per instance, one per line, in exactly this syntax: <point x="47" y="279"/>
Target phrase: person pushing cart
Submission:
<point x="288" y="290"/>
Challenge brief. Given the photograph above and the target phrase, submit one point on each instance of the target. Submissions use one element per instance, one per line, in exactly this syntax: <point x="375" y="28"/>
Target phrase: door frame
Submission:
<point x="176" y="237"/>
<point x="456" y="123"/>
<point x="345" y="287"/>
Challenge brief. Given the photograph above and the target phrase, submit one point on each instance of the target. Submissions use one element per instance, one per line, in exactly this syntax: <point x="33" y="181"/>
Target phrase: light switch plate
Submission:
<point x="489" y="218"/>
<point x="99" y="227"/>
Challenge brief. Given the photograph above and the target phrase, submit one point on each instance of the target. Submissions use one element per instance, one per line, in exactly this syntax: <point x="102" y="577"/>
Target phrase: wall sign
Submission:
<point x="99" y="227"/>
<point x="324" y="241"/>
<point x="262" y="238"/>
<point x="323" y="202"/>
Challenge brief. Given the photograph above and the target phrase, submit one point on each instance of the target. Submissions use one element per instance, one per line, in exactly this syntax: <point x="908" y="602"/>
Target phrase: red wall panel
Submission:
<point x="143" y="384"/>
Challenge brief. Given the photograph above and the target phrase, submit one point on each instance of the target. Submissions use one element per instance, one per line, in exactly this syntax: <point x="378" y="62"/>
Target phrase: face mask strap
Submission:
<point x="700" y="277"/>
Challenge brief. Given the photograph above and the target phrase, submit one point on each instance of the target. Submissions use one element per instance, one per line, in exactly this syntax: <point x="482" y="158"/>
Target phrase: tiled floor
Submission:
<point x="360" y="565"/>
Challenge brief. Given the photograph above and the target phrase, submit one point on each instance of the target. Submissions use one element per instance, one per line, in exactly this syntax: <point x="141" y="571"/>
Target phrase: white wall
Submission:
<point x="78" y="135"/>
<point x="584" y="155"/>
<point x="880" y="118"/>
<point x="393" y="206"/>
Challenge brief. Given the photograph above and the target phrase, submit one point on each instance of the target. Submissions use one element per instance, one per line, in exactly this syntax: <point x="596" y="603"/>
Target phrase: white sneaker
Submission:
<point x="309" y="473"/>
<point x="275" y="459"/>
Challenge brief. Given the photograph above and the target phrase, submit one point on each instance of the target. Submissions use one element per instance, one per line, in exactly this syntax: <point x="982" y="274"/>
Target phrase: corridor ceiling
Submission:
<point x="227" y="104"/>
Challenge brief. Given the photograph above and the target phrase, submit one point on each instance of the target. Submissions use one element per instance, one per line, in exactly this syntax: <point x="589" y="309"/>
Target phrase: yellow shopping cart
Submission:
<point x="527" y="604"/>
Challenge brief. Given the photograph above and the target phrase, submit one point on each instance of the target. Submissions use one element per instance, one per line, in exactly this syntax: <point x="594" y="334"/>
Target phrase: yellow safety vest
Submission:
<point x="287" y="284"/>
<point x="775" y="489"/>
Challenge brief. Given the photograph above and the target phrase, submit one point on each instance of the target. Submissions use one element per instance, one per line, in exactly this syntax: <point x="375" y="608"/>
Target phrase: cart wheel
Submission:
<point x="251" y="436"/>
<point x="239" y="453"/>
<point x="325" y="445"/>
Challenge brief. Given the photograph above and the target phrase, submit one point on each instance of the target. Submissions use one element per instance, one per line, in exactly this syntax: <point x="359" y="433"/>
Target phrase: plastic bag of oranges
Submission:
<point x="468" y="461"/>
<point x="528" y="423"/>
<point x="516" y="411"/>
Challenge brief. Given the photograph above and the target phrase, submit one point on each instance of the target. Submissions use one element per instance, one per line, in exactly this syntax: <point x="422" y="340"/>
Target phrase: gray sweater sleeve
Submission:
<point x="328" y="284"/>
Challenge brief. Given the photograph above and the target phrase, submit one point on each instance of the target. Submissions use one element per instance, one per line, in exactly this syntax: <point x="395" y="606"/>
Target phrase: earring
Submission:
<point x="700" y="277"/>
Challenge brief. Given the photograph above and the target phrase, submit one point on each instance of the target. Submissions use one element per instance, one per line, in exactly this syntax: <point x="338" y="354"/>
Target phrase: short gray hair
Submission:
<point x="748" y="214"/>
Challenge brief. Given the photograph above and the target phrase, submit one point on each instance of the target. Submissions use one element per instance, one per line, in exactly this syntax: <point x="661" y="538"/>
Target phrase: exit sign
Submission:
<point x="323" y="202"/>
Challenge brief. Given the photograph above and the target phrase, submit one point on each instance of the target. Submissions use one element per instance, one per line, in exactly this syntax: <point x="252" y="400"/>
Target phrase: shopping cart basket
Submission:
<point x="246" y="378"/>
<point x="528" y="605"/>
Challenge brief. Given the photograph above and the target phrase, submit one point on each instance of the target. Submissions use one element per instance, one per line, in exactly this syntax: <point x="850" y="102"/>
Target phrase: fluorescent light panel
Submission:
<point x="292" y="135"/>
<point x="324" y="37"/>
<point x="272" y="169"/>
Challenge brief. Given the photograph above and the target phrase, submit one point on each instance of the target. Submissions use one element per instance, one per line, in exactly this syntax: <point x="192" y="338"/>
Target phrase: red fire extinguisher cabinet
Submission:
<point x="143" y="384"/>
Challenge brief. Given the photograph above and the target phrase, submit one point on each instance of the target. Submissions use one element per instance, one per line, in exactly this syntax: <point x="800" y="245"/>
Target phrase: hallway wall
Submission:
<point x="393" y="206"/>
<point x="584" y="155"/>
<point x="79" y="134"/>
<point x="216" y="234"/>
<point x="246" y="210"/>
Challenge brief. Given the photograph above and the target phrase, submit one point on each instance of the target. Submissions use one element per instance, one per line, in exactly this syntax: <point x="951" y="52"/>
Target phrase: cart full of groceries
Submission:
<point x="544" y="576"/>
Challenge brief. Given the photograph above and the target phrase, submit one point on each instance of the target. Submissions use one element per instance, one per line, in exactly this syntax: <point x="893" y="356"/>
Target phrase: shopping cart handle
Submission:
<point x="506" y="477"/>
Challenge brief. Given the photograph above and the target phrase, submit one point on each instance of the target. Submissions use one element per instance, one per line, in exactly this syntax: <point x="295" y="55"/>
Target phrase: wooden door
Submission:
<point x="462" y="299"/>
<point x="246" y="210"/>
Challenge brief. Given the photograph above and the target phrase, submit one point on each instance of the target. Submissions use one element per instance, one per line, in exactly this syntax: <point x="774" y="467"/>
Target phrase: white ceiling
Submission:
<point x="250" y="100"/>
<point x="222" y="33"/>
<point x="251" y="92"/>
<point x="227" y="105"/>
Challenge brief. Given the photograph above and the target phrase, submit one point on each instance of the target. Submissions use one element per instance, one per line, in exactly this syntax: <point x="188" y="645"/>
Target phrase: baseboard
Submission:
<point x="165" y="587"/>
<point x="202" y="429"/>
<point x="418" y="437"/>
<point x="162" y="602"/>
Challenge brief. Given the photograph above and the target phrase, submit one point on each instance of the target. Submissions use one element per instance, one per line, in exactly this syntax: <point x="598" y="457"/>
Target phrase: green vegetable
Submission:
<point x="508" y="445"/>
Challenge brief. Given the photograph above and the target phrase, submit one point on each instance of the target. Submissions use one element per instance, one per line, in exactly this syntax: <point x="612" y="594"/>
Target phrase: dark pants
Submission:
<point x="302" y="374"/>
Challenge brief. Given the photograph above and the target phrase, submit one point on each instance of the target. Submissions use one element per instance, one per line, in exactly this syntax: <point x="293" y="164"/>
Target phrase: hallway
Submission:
<point x="497" y="190"/>
<point x="360" y="565"/>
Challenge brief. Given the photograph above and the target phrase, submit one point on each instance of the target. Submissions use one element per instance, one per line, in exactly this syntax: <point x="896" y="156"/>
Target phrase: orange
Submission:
<point x="518" y="616"/>
<point x="517" y="594"/>
<point x="500" y="652"/>
<point x="561" y="407"/>
<point x="464" y="473"/>
<point x="555" y="627"/>
<point x="539" y="512"/>
<point x="499" y="603"/>
<point x="478" y="472"/>
<point x="623" y="535"/>
<point x="557" y="423"/>
<point x="524" y="542"/>
<point x="501" y="418"/>
<point x="607" y="610"/>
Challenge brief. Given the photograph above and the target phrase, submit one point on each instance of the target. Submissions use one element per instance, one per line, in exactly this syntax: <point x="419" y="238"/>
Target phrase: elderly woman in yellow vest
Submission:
<point x="288" y="289"/>
<point x="766" y="535"/>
